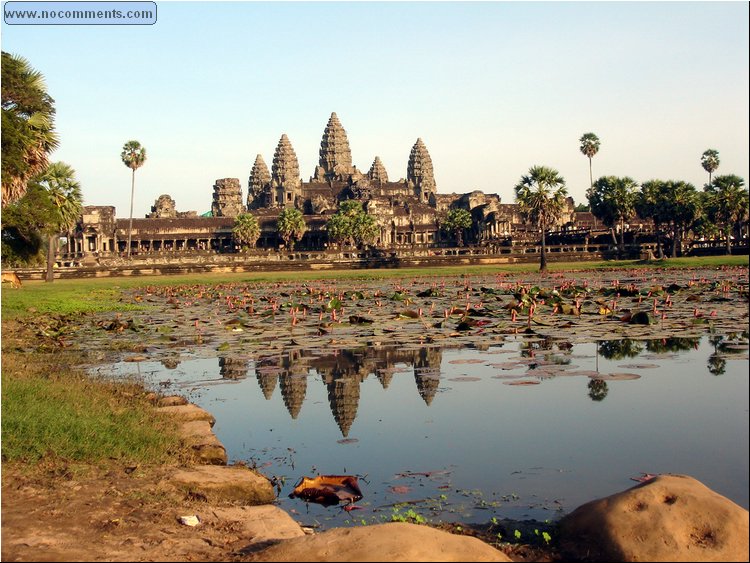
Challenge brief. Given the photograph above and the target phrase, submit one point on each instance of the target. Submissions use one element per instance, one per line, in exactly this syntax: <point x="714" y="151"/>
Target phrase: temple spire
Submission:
<point x="335" y="155"/>
<point x="419" y="174"/>
<point x="258" y="183"/>
<point x="377" y="173"/>
<point x="285" y="179"/>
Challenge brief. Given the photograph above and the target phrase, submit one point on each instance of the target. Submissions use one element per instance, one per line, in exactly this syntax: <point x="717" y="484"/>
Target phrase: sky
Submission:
<point x="492" y="88"/>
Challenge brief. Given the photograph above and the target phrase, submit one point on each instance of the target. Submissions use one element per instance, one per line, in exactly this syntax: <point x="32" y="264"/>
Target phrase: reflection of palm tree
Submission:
<point x="620" y="349"/>
<point x="598" y="389"/>
<point x="717" y="364"/>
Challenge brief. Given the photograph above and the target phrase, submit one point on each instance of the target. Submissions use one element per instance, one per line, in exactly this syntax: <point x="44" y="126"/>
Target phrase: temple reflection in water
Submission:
<point x="342" y="372"/>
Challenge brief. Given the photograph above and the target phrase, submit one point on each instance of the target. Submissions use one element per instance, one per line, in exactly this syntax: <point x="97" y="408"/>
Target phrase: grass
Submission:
<point x="54" y="412"/>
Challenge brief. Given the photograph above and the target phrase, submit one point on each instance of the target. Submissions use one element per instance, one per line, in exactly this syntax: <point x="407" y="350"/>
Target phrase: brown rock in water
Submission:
<point x="383" y="542"/>
<point x="187" y="412"/>
<point x="669" y="518"/>
<point x="170" y="400"/>
<point x="198" y="435"/>
<point x="235" y="484"/>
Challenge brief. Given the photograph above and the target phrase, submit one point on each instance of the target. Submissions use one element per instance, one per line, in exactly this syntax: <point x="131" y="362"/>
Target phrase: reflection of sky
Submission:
<point x="542" y="442"/>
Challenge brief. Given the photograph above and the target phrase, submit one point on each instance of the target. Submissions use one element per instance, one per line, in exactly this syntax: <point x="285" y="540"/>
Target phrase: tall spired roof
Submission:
<point x="419" y="171"/>
<point x="377" y="172"/>
<point x="260" y="177"/>
<point x="285" y="169"/>
<point x="335" y="154"/>
<point x="293" y="391"/>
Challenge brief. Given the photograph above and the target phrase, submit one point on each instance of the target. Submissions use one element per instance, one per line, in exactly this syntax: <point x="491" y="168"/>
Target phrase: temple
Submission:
<point x="408" y="212"/>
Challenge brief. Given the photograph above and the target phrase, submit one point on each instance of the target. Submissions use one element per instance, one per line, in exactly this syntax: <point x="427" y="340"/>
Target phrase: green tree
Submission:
<point x="23" y="229"/>
<point x="28" y="131"/>
<point x="710" y="162"/>
<point x="352" y="225"/>
<point x="541" y="198"/>
<point x="246" y="230"/>
<point x="727" y="205"/>
<point x="598" y="389"/>
<point x="291" y="226"/>
<point x="651" y="203"/>
<point x="612" y="201"/>
<point x="590" y="146"/>
<point x="64" y="191"/>
<point x="133" y="156"/>
<point x="683" y="208"/>
<point x="456" y="222"/>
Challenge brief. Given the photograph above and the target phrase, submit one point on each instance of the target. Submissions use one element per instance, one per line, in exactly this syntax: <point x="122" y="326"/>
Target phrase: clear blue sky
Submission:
<point x="491" y="87"/>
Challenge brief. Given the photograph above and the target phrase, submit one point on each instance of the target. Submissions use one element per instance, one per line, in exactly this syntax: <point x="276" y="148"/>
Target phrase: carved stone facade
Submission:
<point x="163" y="208"/>
<point x="227" y="198"/>
<point x="408" y="212"/>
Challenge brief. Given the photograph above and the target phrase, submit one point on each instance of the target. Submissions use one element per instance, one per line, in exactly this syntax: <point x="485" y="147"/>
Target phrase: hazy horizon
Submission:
<point x="492" y="88"/>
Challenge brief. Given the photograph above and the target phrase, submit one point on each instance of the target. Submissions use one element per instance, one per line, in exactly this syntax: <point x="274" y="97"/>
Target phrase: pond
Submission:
<point x="522" y="427"/>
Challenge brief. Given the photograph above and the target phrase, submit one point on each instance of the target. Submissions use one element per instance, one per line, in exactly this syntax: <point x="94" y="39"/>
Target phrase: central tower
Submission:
<point x="335" y="155"/>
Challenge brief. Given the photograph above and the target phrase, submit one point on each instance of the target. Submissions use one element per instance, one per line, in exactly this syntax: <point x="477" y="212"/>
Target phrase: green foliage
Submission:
<point x="541" y="199"/>
<point x="409" y="516"/>
<point x="53" y="412"/>
<point x="64" y="191"/>
<point x="589" y="144"/>
<point x="28" y="133"/>
<point x="710" y="162"/>
<point x="133" y="155"/>
<point x="726" y="204"/>
<point x="457" y="221"/>
<point x="291" y="226"/>
<point x="23" y="230"/>
<point x="612" y="199"/>
<point x="352" y="225"/>
<point x="246" y="230"/>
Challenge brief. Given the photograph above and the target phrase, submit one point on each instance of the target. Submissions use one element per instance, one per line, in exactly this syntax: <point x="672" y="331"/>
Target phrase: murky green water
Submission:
<point x="528" y="429"/>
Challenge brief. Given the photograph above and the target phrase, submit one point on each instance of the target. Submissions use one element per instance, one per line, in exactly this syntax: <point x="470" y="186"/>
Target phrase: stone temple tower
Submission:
<point x="259" y="185"/>
<point x="419" y="175"/>
<point x="227" y="198"/>
<point x="335" y="155"/>
<point x="286" y="185"/>
<point x="377" y="173"/>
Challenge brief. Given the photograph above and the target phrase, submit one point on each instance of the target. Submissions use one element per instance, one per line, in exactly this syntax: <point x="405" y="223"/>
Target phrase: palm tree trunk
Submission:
<point x="729" y="240"/>
<point x="130" y="226"/>
<point x="591" y="173"/>
<point x="543" y="259"/>
<point x="622" y="234"/>
<point x="51" y="243"/>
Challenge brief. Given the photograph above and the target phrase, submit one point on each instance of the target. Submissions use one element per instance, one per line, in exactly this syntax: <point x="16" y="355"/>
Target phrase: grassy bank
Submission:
<point x="53" y="411"/>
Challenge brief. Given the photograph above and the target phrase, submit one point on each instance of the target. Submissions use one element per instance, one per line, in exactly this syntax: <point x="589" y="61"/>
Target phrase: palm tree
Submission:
<point x="133" y="156"/>
<point x="727" y="204"/>
<point x="28" y="134"/>
<point x="541" y="198"/>
<point x="64" y="192"/>
<point x="612" y="200"/>
<point x="710" y="162"/>
<point x="589" y="147"/>
<point x="291" y="226"/>
<point x="246" y="230"/>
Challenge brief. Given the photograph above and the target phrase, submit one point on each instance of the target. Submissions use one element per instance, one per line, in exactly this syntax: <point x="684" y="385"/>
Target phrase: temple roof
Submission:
<point x="377" y="173"/>
<point x="419" y="170"/>
<point x="335" y="154"/>
<point x="285" y="169"/>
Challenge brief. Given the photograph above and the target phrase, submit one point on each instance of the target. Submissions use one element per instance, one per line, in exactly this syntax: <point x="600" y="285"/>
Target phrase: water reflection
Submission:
<point x="598" y="389"/>
<point x="342" y="372"/>
<point x="620" y="349"/>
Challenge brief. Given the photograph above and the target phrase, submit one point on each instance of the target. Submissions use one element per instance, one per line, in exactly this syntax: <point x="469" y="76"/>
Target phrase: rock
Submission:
<point x="187" y="412"/>
<point x="669" y="518"/>
<point x="230" y="484"/>
<point x="259" y="526"/>
<point x="383" y="542"/>
<point x="170" y="400"/>
<point x="198" y="435"/>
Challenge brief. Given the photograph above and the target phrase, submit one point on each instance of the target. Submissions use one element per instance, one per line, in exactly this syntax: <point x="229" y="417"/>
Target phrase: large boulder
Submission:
<point x="383" y="542"/>
<point x="231" y="484"/>
<point x="207" y="448"/>
<point x="669" y="518"/>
